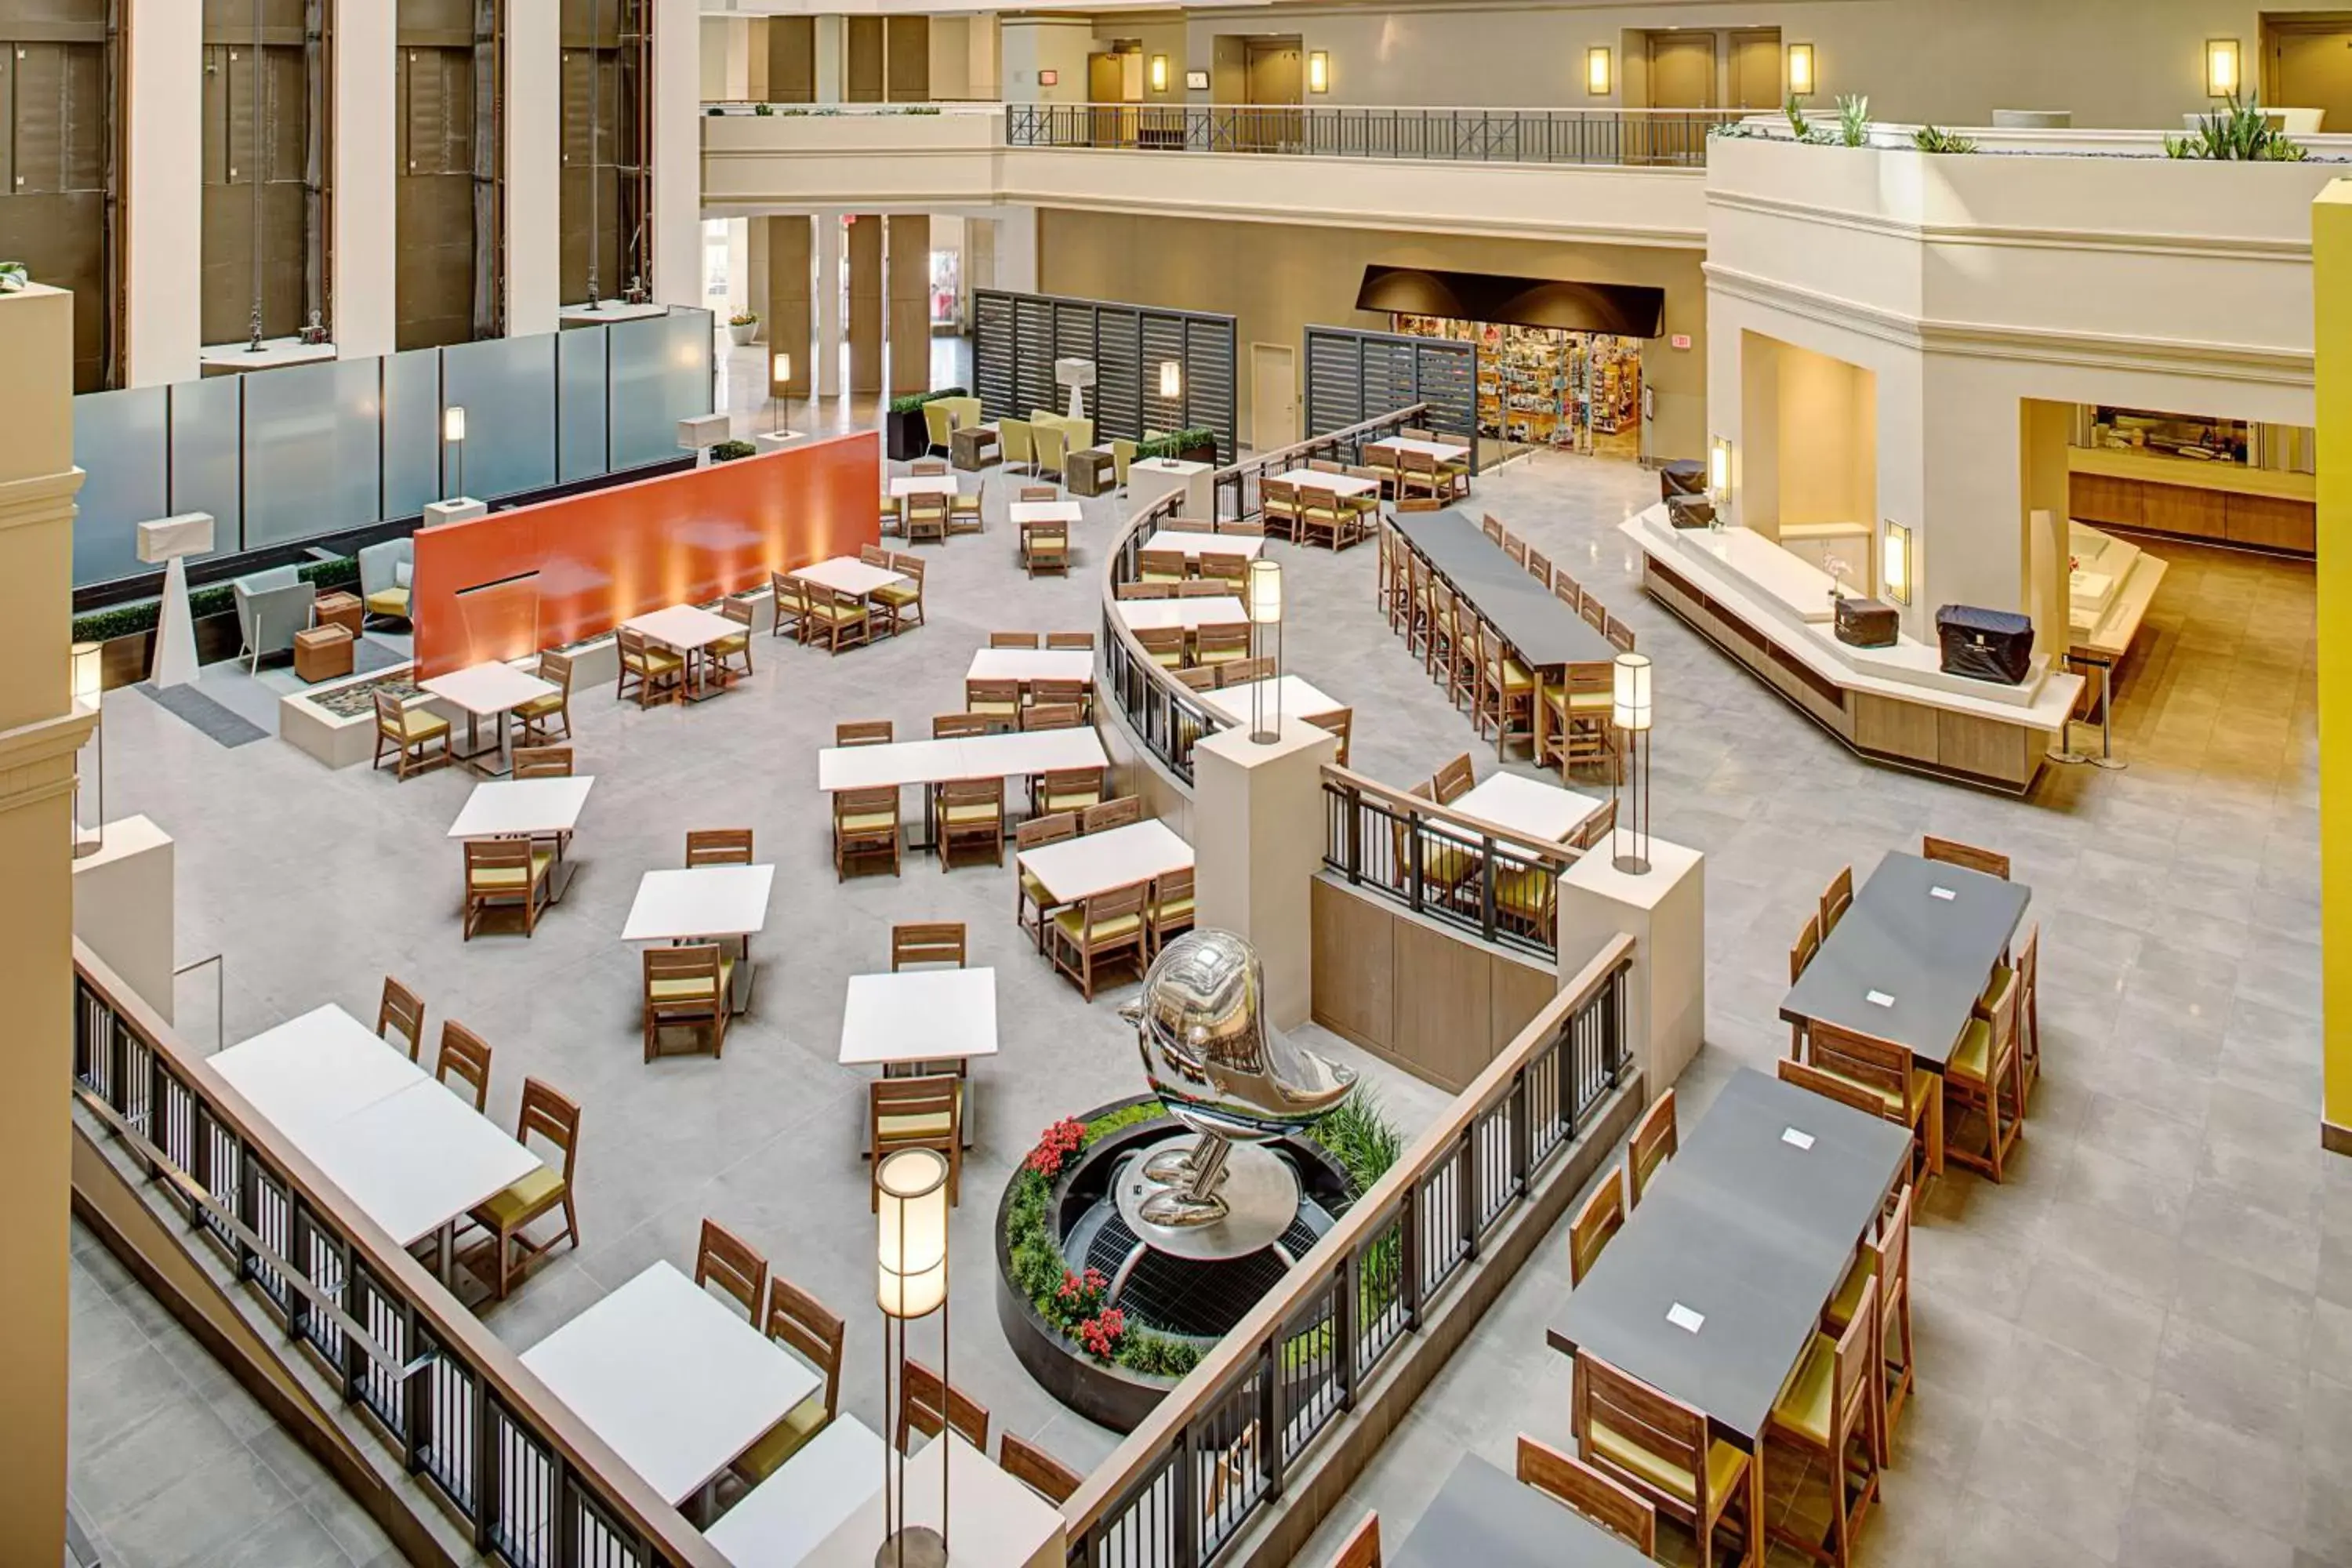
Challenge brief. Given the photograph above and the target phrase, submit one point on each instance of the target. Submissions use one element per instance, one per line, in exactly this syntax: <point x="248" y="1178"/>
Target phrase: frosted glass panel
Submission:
<point x="411" y="432"/>
<point x="314" y="462"/>
<point x="660" y="374"/>
<point x="580" y="448"/>
<point x="205" y="448"/>
<point x="119" y="443"/>
<point x="506" y="387"/>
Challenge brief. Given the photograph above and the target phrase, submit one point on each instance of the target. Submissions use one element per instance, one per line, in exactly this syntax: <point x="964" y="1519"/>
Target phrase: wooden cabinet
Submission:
<point x="2266" y="523"/>
<point x="2177" y="509"/>
<point x="2273" y="522"/>
<point x="2098" y="499"/>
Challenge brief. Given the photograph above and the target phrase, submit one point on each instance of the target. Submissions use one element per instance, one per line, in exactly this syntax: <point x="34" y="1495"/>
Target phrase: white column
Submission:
<point x="1665" y="911"/>
<point x="123" y="908"/>
<point x="831" y="57"/>
<point x="534" y="66"/>
<point x="676" y="153"/>
<point x="163" y="190"/>
<point x="364" y="143"/>
<point x="826" y="306"/>
<point x="1257" y="842"/>
<point x="1016" y="249"/>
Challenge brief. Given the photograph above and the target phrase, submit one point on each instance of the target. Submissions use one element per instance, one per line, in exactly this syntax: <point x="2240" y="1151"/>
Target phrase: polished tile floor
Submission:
<point x="2128" y="1354"/>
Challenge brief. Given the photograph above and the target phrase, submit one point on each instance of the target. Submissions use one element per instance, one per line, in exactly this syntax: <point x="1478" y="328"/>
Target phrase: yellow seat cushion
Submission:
<point x="494" y="878"/>
<point x="726" y="647"/>
<point x="388" y="601"/>
<point x="868" y="822"/>
<point x="1972" y="1057"/>
<point x="785" y="1438"/>
<point x="1169" y="659"/>
<point x="655" y="662"/>
<point x="897" y="1128"/>
<point x="1074" y="922"/>
<point x="957" y="816"/>
<point x="1848" y="1291"/>
<point x="899" y="594"/>
<point x="1514" y="677"/>
<point x="994" y="709"/>
<point x="1051" y="801"/>
<point x="538" y="705"/>
<point x="1523" y="891"/>
<point x="418" y="725"/>
<point x="1034" y="891"/>
<point x="687" y="990"/>
<point x="1724" y="1464"/>
<point x="536" y="1192"/>
<point x="841" y="615"/>
<point x="1168" y="910"/>
<point x="1922" y="1087"/>
<point x="1803" y="1405"/>
<point x="1223" y="656"/>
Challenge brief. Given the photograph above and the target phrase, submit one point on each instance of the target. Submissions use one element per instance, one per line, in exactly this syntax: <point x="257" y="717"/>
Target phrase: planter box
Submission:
<point x="907" y="435"/>
<point x="337" y="740"/>
<point x="125" y="660"/>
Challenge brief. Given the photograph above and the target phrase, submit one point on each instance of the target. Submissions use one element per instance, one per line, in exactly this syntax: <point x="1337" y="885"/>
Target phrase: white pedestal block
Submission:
<point x="1150" y="479"/>
<point x="457" y="508"/>
<point x="703" y="431"/>
<point x="1257" y="842"/>
<point x="123" y="908"/>
<point x="777" y="441"/>
<point x="1665" y="911"/>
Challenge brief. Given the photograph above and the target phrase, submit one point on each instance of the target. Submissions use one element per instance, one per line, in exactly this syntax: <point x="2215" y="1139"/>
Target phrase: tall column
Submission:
<point x="677" y="154"/>
<point x="1016" y="249"/>
<point x="163" y="190"/>
<point x="788" y="303"/>
<point x="865" y="303"/>
<point x="40" y="731"/>
<point x="1257" y="833"/>
<point x="828" y="304"/>
<point x="364" y="143"/>
<point x="2331" y="268"/>
<point x="534" y="171"/>
<point x="831" y="57"/>
<point x="909" y="288"/>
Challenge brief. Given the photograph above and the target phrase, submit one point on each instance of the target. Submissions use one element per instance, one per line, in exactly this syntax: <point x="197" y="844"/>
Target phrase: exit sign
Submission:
<point x="1680" y="340"/>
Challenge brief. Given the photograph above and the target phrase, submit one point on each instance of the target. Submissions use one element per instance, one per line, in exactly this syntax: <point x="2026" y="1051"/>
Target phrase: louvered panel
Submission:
<point x="84" y="130"/>
<point x="243" y="108"/>
<point x="1119" y="375"/>
<point x="1074" y="338"/>
<point x="285" y="115"/>
<point x="40" y="118"/>
<point x="994" y="352"/>
<point x="1446" y="378"/>
<point x="1389" y="376"/>
<point x="579" y="107"/>
<point x="1335" y="381"/>
<point x="1163" y="339"/>
<point x="1033" y="333"/>
<point x="1209" y="379"/>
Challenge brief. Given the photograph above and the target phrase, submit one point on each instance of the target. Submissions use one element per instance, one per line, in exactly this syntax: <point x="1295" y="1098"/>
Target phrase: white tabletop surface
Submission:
<point x="1167" y="466"/>
<point x="1032" y="664"/>
<point x="994" y="1521"/>
<point x="1299" y="700"/>
<point x="1092" y="863"/>
<point x="923" y="485"/>
<point x="1194" y="545"/>
<point x="677" y="1384"/>
<point x="847" y="574"/>
<point x="1443" y="451"/>
<point x="507" y="806"/>
<point x="1046" y="512"/>
<point x="1032" y="751"/>
<point x="416" y="1160"/>
<point x="1144" y="614"/>
<point x="782" y="1519"/>
<point x="1527" y="805"/>
<point x="309" y="1072"/>
<point x="700" y="900"/>
<point x="918" y="1016"/>
<point x="974" y="757"/>
<point x="1338" y="484"/>
<point x="684" y="626"/>
<point x="486" y="688"/>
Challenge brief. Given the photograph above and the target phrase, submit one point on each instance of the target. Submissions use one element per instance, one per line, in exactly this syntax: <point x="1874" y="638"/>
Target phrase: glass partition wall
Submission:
<point x="265" y="160"/>
<point x="60" y="165"/>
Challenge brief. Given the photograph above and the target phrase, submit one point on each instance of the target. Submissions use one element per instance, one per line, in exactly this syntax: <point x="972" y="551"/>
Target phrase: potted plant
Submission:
<point x="1194" y="444"/>
<point x="903" y="427"/>
<point x="744" y="326"/>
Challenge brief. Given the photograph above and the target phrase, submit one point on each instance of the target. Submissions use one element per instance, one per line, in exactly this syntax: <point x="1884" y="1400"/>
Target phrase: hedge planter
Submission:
<point x="125" y="660"/>
<point x="908" y="436"/>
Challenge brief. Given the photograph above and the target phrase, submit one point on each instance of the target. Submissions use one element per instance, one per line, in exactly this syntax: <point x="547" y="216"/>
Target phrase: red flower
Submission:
<point x="1056" y="1145"/>
<point x="1100" y="1335"/>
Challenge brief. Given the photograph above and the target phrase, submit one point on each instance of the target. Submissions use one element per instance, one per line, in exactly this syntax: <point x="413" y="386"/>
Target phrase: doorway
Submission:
<point x="2307" y="64"/>
<point x="1682" y="70"/>
<point x="1276" y="74"/>
<point x="1755" y="68"/>
<point x="1273" y="396"/>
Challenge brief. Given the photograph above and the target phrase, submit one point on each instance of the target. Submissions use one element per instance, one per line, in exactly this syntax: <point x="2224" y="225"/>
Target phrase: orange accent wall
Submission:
<point x="608" y="554"/>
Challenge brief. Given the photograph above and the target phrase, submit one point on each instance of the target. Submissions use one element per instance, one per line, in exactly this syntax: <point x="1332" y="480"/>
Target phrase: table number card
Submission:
<point x="1796" y="1139"/>
<point x="1944" y="893"/>
<point x="1683" y="1318"/>
<point x="1878" y="998"/>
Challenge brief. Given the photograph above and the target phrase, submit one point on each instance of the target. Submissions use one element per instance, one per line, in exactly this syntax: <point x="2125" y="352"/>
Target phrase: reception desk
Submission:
<point x="1771" y="611"/>
<point x="2228" y="503"/>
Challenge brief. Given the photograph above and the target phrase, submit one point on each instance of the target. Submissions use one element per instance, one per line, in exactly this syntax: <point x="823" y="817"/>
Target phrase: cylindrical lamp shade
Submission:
<point x="1629" y="698"/>
<point x="88" y="683"/>
<point x="781" y="368"/>
<point x="453" y="423"/>
<point x="1171" y="378"/>
<point x="1265" y="592"/>
<point x="911" y="1280"/>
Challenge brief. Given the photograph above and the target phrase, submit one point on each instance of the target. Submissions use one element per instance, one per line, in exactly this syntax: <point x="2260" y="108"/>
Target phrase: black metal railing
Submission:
<point x="439" y="1390"/>
<point x="1440" y="863"/>
<point x="1220" y="1448"/>
<point x="1670" y="138"/>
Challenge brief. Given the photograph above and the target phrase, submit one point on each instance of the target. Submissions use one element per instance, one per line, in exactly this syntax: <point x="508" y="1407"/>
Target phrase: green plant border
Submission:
<point x="1174" y="442"/>
<point x="906" y="403"/>
<point x="220" y="599"/>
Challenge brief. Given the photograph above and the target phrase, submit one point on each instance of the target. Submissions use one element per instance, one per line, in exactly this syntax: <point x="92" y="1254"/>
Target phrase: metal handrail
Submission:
<point x="1217" y="1450"/>
<point x="534" y="1486"/>
<point x="1672" y="138"/>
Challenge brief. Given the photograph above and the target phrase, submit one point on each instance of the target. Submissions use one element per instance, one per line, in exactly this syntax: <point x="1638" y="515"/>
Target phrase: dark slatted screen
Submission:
<point x="1354" y="376"/>
<point x="1017" y="337"/>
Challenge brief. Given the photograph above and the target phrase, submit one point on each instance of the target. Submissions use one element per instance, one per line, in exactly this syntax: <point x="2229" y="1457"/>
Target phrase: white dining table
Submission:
<point x="1526" y="807"/>
<point x="918" y="1016"/>
<point x="906" y="485"/>
<point x="1194" y="545"/>
<point x="992" y="1520"/>
<point x="482" y="690"/>
<point x="1289" y="695"/>
<point x="780" y="1521"/>
<point x="1078" y="869"/>
<point x="1443" y="451"/>
<point x="1024" y="513"/>
<point x="1338" y="484"/>
<point x="695" y="902"/>
<point x="1016" y="755"/>
<point x="675" y="1383"/>
<point x="1028" y="664"/>
<point x="848" y="574"/>
<point x="1158" y="614"/>
<point x="528" y="808"/>
<point x="691" y="629"/>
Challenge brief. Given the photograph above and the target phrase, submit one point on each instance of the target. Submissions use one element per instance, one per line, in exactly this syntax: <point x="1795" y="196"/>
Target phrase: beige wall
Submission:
<point x="1277" y="279"/>
<point x="1828" y="461"/>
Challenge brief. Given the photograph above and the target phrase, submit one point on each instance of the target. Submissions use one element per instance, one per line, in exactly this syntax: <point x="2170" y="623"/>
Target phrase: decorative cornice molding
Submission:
<point x="45" y="498"/>
<point x="2233" y="248"/>
<point x="36" y="760"/>
<point x="1157" y="204"/>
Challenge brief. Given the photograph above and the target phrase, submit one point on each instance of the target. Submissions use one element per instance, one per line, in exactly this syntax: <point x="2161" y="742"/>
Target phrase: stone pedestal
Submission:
<point x="776" y="441"/>
<point x="123" y="908"/>
<point x="1665" y="911"/>
<point x="456" y="508"/>
<point x="1257" y="842"/>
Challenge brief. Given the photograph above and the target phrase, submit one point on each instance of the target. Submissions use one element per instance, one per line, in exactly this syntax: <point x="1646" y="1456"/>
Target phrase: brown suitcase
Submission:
<point x="1866" y="623"/>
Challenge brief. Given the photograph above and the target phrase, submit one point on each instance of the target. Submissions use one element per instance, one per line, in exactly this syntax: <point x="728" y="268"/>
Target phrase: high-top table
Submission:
<point x="1541" y="630"/>
<point x="1484" y="1518"/>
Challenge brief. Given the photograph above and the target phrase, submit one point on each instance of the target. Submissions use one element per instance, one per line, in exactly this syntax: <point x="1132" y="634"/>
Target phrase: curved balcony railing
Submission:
<point x="1675" y="138"/>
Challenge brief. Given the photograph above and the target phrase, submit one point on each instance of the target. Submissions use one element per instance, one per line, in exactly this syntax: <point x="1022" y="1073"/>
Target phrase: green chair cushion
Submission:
<point x="1074" y="922"/>
<point x="785" y="1438"/>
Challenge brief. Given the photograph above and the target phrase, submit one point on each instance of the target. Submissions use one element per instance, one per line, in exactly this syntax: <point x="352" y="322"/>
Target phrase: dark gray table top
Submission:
<point x="1753" y="1153"/>
<point x="1485" y="1517"/>
<point x="1930" y="955"/>
<point x="1540" y="629"/>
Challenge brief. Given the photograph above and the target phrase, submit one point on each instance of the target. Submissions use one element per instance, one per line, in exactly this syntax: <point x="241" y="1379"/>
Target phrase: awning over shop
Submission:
<point x="1627" y="309"/>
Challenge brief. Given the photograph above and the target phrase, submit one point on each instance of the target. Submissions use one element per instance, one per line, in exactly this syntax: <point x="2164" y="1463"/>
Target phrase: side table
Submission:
<point x="1091" y="470"/>
<point x="971" y="447"/>
<point x="322" y="653"/>
<point x="344" y="610"/>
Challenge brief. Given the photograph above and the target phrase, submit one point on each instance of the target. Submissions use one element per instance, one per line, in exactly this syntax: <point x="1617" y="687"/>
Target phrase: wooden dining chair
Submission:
<point x="1028" y="892"/>
<point x="548" y="718"/>
<point x="1221" y="642"/>
<point x="542" y="761"/>
<point x="1492" y="527"/>
<point x="864" y="826"/>
<point x="1952" y="852"/>
<point x="1595" y="614"/>
<point x="1986" y="1062"/>
<point x="1538" y="567"/>
<point x="1278" y="506"/>
<point x="400" y="1018"/>
<point x="464" y="1056"/>
<point x="1836" y="899"/>
<point x="418" y="741"/>
<point x="901" y="603"/>
<point x="971" y="815"/>
<point x="1069" y="790"/>
<point x="1568" y="590"/>
<point x="1202" y="588"/>
<point x="999" y="700"/>
<point x="927" y="941"/>
<point x="555" y="1120"/>
<point x="873" y="555"/>
<point x="1506" y="690"/>
<point x="1168" y="908"/>
<point x="1053" y="693"/>
<point x="1652" y="1144"/>
<point x="962" y="726"/>
<point x="1801" y="958"/>
<point x="725" y="1260"/>
<point x="1802" y="1075"/>
<point x="1012" y="640"/>
<point x="863" y="732"/>
<point x="1143" y="591"/>
<point x="790" y="596"/>
<point x="1452" y="782"/>
<point x="927" y="517"/>
<point x="1909" y="1096"/>
<point x="1052" y="716"/>
<point x="657" y="673"/>
<point x="840" y="620"/>
<point x="1620" y="635"/>
<point x="1619" y="1510"/>
<point x="1579" y="705"/>
<point x="1163" y="646"/>
<point x="1070" y="640"/>
<point x="1189" y="525"/>
<point x="730" y="656"/>
<point x="1045" y="547"/>
<point x="1363" y="1547"/>
<point x="1887" y="1261"/>
<point x="929" y="1404"/>
<point x="808" y="1329"/>
<point x="1125" y="811"/>
<point x="1037" y="1469"/>
<point x="1515" y="549"/>
<point x="1324" y="517"/>
<point x="1417" y="474"/>
<point x="1829" y="1408"/>
<point x="920" y="1111"/>
<point x="1217" y="565"/>
<point x="927" y="468"/>
<point x="1106" y="925"/>
<point x="1200" y="678"/>
<point x="718" y="846"/>
<point x="2029" y="1010"/>
<point x="1340" y="721"/>
<point x="686" y="987"/>
<point x="505" y="874"/>
<point x="968" y="509"/>
<point x="1601" y="1216"/>
<point x="892" y="515"/>
<point x="1659" y="1448"/>
<point x="1160" y="566"/>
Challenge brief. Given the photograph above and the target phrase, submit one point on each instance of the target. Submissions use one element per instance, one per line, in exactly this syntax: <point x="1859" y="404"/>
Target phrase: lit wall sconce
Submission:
<point x="2221" y="67"/>
<point x="1171" y="378"/>
<point x="1801" y="69"/>
<point x="1599" y="79"/>
<point x="1318" y="72"/>
<point x="453" y="433"/>
<point x="1718" y="470"/>
<point x="1159" y="73"/>
<point x="1898" y="564"/>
